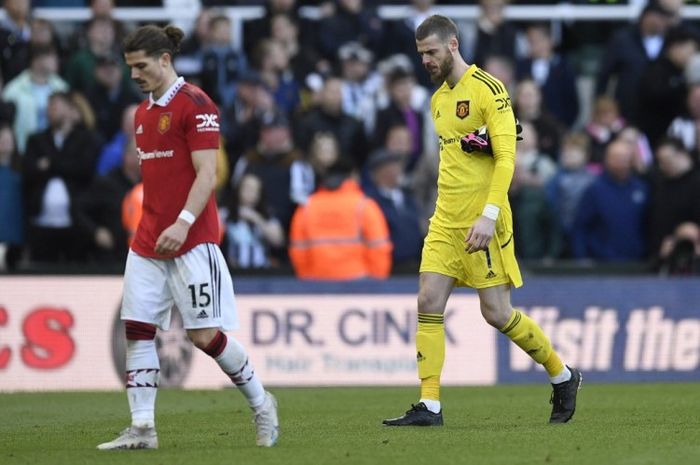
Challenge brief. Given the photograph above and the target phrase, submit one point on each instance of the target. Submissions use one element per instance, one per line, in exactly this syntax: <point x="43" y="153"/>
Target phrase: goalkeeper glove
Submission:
<point x="479" y="140"/>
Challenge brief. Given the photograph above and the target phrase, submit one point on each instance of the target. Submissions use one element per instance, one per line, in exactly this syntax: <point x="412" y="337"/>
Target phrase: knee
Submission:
<point x="430" y="301"/>
<point x="495" y="315"/>
<point x="201" y="338"/>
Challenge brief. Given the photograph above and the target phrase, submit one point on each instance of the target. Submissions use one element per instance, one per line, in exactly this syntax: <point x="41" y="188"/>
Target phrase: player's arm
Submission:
<point x="172" y="238"/>
<point x="501" y="124"/>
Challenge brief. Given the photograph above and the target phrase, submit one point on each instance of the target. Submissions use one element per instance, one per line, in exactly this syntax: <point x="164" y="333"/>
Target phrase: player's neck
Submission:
<point x="460" y="67"/>
<point x="167" y="83"/>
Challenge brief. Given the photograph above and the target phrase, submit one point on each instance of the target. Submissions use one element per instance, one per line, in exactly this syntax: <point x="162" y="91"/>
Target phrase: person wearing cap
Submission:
<point x="340" y="234"/>
<point x="397" y="204"/>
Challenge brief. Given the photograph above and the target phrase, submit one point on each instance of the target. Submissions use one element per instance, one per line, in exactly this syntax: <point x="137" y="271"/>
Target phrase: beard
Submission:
<point x="444" y="70"/>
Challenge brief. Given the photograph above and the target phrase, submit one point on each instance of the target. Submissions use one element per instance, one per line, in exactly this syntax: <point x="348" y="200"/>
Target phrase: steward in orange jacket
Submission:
<point x="340" y="234"/>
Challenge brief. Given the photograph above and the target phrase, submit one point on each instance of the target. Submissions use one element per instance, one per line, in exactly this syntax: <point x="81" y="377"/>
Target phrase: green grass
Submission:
<point x="614" y="424"/>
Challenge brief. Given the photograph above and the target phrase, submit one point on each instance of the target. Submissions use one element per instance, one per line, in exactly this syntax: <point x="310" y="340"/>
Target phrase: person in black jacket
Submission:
<point x="662" y="89"/>
<point x="98" y="210"/>
<point x="58" y="165"/>
<point x="629" y="52"/>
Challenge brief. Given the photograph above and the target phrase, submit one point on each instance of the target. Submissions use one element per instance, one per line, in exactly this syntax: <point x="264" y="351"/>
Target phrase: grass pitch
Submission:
<point x="614" y="424"/>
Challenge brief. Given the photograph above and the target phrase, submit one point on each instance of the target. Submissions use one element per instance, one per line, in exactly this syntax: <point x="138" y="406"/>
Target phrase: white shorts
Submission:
<point x="198" y="283"/>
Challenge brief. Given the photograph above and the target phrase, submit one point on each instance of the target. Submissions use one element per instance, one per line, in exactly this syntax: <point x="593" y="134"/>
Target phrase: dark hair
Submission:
<point x="38" y="51"/>
<point x="673" y="142"/>
<point x="154" y="40"/>
<point x="233" y="201"/>
<point x="439" y="25"/>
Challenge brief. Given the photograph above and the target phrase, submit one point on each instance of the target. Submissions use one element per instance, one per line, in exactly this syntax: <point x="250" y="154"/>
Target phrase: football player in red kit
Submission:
<point x="174" y="258"/>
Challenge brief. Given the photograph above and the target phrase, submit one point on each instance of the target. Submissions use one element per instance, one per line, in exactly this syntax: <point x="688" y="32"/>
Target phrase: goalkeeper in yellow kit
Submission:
<point x="470" y="240"/>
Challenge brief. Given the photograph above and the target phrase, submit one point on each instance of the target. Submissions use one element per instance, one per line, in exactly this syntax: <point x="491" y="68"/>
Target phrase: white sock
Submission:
<point x="432" y="405"/>
<point x="235" y="363"/>
<point x="562" y="377"/>
<point x="142" y="373"/>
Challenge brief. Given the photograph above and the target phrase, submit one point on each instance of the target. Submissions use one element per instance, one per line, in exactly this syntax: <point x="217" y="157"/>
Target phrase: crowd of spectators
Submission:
<point x="335" y="111"/>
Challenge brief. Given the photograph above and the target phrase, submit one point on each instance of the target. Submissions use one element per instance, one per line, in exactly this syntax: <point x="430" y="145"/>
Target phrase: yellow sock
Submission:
<point x="430" y="346"/>
<point x="528" y="335"/>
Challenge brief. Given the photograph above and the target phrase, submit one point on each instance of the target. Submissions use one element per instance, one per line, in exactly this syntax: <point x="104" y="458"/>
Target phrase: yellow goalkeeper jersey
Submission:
<point x="467" y="181"/>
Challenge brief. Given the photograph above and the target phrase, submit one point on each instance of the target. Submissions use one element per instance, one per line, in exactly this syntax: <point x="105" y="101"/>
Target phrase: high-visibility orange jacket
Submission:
<point x="340" y="235"/>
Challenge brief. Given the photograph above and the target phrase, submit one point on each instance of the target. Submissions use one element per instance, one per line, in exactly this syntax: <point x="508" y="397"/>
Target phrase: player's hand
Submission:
<point x="480" y="235"/>
<point x="172" y="238"/>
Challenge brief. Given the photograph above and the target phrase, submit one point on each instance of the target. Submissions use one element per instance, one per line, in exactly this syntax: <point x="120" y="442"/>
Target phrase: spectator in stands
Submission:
<point x="565" y="189"/>
<point x="272" y="63"/>
<point x="503" y="69"/>
<point x="680" y="253"/>
<point x="260" y="28"/>
<point x="400" y="112"/>
<point x="250" y="230"/>
<point x="103" y="9"/>
<point x="352" y="20"/>
<point x="528" y="108"/>
<point x="7" y="110"/>
<point x="494" y="35"/>
<point x="221" y="64"/>
<point x="675" y="194"/>
<point x="610" y="224"/>
<point x="537" y="167"/>
<point x="57" y="168"/>
<point x="188" y="62"/>
<point x="11" y="232"/>
<point x="643" y="154"/>
<point x="241" y="122"/>
<point x="397" y="204"/>
<point x="110" y="95"/>
<point x="112" y="152"/>
<point x="605" y="124"/>
<point x="328" y="116"/>
<point x="44" y="35"/>
<point x="15" y="33"/>
<point x="538" y="234"/>
<point x="80" y="68"/>
<point x="284" y="174"/>
<point x="400" y="37"/>
<point x="629" y="52"/>
<point x="30" y="92"/>
<point x="340" y="234"/>
<point x="324" y="152"/>
<point x="304" y="59"/>
<point x="662" y="88"/>
<point x="686" y="126"/>
<point x="360" y="84"/>
<point x="98" y="210"/>
<point x="552" y="73"/>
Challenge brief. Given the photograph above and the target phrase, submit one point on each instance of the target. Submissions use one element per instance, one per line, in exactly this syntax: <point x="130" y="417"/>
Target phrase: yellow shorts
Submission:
<point x="443" y="253"/>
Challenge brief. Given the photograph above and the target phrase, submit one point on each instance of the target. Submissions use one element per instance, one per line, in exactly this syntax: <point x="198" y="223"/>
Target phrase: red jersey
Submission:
<point x="182" y="120"/>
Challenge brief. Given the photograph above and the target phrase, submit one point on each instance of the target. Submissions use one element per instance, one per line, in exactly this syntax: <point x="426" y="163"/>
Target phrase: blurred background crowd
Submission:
<point x="326" y="132"/>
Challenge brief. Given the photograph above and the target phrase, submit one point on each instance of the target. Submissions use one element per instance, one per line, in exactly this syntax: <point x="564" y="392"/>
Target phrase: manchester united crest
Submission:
<point x="462" y="110"/>
<point x="164" y="122"/>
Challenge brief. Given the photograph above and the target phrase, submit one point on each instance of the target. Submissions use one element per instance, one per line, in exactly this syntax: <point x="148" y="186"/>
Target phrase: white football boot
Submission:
<point x="133" y="437"/>
<point x="266" y="422"/>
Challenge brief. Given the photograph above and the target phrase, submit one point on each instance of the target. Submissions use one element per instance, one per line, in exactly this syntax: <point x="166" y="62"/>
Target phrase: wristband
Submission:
<point x="187" y="217"/>
<point x="491" y="211"/>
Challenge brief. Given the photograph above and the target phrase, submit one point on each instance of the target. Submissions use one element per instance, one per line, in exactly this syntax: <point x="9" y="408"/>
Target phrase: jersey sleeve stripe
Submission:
<point x="491" y="79"/>
<point x="488" y="84"/>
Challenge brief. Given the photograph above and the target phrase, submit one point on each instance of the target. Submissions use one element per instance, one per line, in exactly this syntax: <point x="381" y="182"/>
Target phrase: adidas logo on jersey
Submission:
<point x="490" y="275"/>
<point x="202" y="314"/>
<point x="139" y="130"/>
